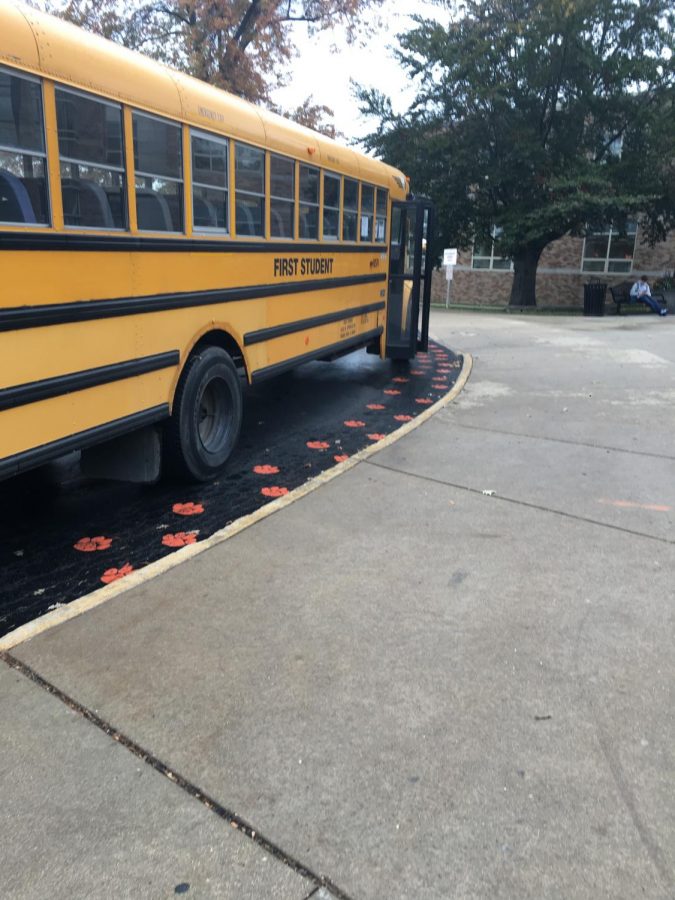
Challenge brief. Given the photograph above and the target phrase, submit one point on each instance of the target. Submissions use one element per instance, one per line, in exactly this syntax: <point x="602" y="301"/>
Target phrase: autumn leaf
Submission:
<point x="274" y="491"/>
<point x="179" y="539"/>
<point x="92" y="544"/>
<point x="188" y="509"/>
<point x="111" y="575"/>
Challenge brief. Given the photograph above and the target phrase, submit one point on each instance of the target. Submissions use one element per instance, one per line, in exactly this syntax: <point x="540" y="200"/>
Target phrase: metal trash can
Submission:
<point x="594" y="299"/>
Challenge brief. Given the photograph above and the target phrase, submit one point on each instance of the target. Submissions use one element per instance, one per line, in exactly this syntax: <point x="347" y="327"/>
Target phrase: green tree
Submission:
<point x="243" y="46"/>
<point x="539" y="117"/>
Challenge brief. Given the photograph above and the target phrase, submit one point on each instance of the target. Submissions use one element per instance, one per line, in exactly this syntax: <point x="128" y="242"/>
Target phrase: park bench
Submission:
<point x="621" y="297"/>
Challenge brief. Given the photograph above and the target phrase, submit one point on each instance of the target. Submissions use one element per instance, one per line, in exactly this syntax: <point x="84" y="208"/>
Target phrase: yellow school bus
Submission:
<point x="161" y="242"/>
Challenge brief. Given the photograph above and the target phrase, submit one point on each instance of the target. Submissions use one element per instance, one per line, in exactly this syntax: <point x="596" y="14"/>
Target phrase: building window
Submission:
<point x="249" y="181"/>
<point x="351" y="210"/>
<point x="158" y="160"/>
<point x="331" y="207"/>
<point x="282" y="196"/>
<point x="609" y="250"/>
<point x="23" y="175"/>
<point x="309" y="202"/>
<point x="209" y="183"/>
<point x="484" y="256"/>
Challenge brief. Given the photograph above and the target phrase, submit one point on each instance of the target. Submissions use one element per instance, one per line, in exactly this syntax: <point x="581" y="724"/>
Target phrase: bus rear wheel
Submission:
<point x="206" y="418"/>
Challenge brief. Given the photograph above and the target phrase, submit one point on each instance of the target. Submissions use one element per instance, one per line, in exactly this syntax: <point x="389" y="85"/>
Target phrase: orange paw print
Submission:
<point x="354" y="423"/>
<point x="423" y="401"/>
<point x="376" y="437"/>
<point x="91" y="544"/>
<point x="391" y="392"/>
<point x="115" y="574"/>
<point x="274" y="491"/>
<point x="318" y="445"/>
<point x="375" y="406"/>
<point x="403" y="418"/>
<point x="266" y="470"/>
<point x="179" y="539"/>
<point x="188" y="509"/>
<point x="400" y="380"/>
<point x="341" y="457"/>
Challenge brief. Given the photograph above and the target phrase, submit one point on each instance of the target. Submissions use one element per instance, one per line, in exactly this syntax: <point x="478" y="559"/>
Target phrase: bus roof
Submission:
<point x="48" y="46"/>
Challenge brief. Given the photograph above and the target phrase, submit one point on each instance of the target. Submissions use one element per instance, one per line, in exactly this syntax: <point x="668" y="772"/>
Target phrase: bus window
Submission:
<point x="209" y="183"/>
<point x="367" y="210"/>
<point x="282" y="199"/>
<point x="23" y="184"/>
<point x="331" y="207"/>
<point x="249" y="182"/>
<point x="91" y="155"/>
<point x="309" y="203"/>
<point x="158" y="161"/>
<point x="381" y="215"/>
<point x="351" y="210"/>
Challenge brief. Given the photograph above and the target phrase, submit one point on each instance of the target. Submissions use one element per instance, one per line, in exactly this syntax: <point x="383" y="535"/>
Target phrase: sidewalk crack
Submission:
<point x="556" y="440"/>
<point x="176" y="778"/>
<point x="524" y="503"/>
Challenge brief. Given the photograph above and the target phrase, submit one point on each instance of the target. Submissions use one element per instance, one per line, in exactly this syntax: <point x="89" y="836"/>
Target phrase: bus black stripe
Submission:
<point x="31" y="392"/>
<point x="351" y="343"/>
<point x="267" y="334"/>
<point x="15" y="240"/>
<point x="16" y="318"/>
<point x="28" y="459"/>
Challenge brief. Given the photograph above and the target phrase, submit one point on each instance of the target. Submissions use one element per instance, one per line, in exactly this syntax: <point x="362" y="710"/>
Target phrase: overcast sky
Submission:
<point x="325" y="72"/>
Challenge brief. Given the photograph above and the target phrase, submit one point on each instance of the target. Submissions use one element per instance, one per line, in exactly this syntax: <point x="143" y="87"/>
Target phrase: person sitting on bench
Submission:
<point x="641" y="291"/>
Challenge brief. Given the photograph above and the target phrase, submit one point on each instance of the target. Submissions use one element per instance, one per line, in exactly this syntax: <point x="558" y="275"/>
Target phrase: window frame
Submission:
<point x="351" y="210"/>
<point x="293" y="200"/>
<point x="331" y="174"/>
<point x="217" y="139"/>
<point x="250" y="237"/>
<point x="139" y="173"/>
<point x="385" y="191"/>
<point x="608" y="259"/>
<point x="44" y="155"/>
<point x="58" y="86"/>
<point x="370" y="215"/>
<point x="318" y="205"/>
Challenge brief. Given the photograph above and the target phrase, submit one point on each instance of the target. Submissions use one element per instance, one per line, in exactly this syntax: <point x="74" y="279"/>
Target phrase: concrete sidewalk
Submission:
<point x="446" y="674"/>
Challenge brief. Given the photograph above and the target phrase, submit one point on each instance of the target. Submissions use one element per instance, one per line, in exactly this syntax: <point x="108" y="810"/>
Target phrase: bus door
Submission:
<point x="410" y="268"/>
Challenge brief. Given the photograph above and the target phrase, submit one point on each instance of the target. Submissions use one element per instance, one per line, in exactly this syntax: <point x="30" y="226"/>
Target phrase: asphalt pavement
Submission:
<point x="63" y="535"/>
<point x="447" y="673"/>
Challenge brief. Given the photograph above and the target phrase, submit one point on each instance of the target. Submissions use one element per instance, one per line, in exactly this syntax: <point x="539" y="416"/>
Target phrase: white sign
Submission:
<point x="450" y="257"/>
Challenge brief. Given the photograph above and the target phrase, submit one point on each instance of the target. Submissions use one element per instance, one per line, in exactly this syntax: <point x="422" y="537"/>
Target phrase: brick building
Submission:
<point x="482" y="279"/>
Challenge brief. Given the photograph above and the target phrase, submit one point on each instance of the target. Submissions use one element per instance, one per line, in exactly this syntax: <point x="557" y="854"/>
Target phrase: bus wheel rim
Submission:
<point x="214" y="415"/>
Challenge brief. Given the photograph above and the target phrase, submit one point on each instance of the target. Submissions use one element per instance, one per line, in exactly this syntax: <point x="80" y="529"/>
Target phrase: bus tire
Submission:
<point x="206" y="417"/>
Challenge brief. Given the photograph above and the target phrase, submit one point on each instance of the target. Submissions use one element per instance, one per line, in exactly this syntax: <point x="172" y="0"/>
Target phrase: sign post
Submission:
<point x="449" y="260"/>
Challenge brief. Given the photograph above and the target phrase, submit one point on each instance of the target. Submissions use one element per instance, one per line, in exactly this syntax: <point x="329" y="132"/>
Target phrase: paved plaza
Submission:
<point x="447" y="673"/>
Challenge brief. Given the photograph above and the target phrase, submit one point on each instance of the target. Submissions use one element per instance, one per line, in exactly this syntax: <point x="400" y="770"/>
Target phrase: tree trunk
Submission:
<point x="525" y="276"/>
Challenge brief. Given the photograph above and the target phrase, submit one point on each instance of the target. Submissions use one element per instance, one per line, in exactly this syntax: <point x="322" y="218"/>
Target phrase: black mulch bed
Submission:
<point x="62" y="536"/>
